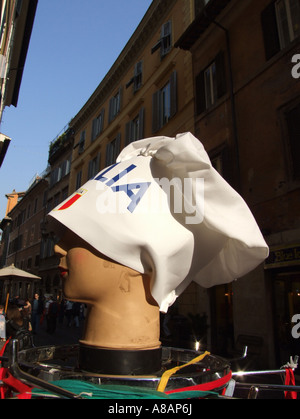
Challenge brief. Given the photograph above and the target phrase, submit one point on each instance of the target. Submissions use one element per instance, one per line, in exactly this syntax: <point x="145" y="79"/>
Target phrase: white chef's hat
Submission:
<point x="163" y="209"/>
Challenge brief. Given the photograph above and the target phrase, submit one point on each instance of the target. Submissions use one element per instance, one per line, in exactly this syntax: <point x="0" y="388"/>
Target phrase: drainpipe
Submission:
<point x="233" y="108"/>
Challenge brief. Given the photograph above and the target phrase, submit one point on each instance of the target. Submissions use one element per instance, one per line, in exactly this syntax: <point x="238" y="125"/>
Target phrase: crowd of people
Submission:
<point x="22" y="319"/>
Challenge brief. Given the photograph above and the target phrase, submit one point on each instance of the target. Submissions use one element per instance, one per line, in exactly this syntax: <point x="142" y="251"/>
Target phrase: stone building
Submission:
<point x="60" y="154"/>
<point x="247" y="113"/>
<point x="22" y="230"/>
<point x="148" y="91"/>
<point x="228" y="71"/>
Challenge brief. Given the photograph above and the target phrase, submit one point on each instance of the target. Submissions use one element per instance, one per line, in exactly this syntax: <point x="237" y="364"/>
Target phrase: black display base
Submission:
<point x="119" y="362"/>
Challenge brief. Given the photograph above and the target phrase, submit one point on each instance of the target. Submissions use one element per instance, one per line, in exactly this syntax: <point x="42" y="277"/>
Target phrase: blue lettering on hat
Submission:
<point x="128" y="189"/>
<point x="135" y="198"/>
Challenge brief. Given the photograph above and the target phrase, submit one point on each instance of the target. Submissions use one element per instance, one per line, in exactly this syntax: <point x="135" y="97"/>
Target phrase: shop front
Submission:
<point x="283" y="267"/>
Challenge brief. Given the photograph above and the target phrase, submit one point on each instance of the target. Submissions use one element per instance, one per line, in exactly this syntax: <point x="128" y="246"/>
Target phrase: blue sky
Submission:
<point x="72" y="47"/>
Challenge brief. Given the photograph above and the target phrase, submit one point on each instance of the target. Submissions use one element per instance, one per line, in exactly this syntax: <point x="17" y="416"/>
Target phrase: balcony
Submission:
<point x="206" y="11"/>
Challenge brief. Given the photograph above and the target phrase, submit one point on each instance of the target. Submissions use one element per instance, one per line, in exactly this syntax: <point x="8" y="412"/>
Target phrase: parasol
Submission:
<point x="11" y="272"/>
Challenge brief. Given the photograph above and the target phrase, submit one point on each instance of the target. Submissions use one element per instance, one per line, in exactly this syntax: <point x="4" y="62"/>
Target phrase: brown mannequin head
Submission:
<point x="122" y="314"/>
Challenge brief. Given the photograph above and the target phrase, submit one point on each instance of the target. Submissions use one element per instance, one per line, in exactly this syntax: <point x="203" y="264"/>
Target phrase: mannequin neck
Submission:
<point x="125" y="318"/>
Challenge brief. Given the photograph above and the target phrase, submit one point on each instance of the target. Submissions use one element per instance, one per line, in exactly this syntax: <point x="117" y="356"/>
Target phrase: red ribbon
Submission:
<point x="11" y="384"/>
<point x="290" y="381"/>
<point x="212" y="385"/>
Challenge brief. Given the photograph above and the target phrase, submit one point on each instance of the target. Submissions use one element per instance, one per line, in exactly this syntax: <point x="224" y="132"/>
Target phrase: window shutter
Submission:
<point x="138" y="76"/>
<point x="173" y="90"/>
<point x="200" y="94"/>
<point x="78" y="179"/>
<point x="270" y="31"/>
<point x="90" y="170"/>
<point x="81" y="142"/>
<point x="118" y="145"/>
<point x="111" y="109"/>
<point x="107" y="156"/>
<point x="220" y="74"/>
<point x="156" y="124"/>
<point x="101" y="120"/>
<point x="120" y="93"/>
<point x="94" y="129"/>
<point x="98" y="162"/>
<point x="138" y="69"/>
<point x="142" y="118"/>
<point x="166" y="38"/>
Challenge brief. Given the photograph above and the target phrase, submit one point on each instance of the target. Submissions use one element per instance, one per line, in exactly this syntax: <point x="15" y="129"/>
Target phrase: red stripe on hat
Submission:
<point x="70" y="202"/>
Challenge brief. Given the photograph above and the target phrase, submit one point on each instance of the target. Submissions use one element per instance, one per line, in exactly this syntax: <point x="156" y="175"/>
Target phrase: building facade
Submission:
<point x="147" y="92"/>
<point x="228" y="71"/>
<point x="16" y="24"/>
<point x="60" y="156"/>
<point x="5" y="225"/>
<point x="247" y="113"/>
<point x="17" y="18"/>
<point x="22" y="229"/>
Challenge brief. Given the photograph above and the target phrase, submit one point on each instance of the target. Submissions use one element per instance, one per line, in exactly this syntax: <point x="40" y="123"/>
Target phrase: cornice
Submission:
<point x="126" y="59"/>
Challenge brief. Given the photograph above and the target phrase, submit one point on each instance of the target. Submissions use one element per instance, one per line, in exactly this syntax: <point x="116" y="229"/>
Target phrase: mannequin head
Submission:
<point x="127" y="213"/>
<point x="122" y="314"/>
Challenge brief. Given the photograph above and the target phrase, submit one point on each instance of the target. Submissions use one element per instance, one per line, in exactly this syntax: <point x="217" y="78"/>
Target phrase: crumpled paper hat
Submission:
<point x="162" y="209"/>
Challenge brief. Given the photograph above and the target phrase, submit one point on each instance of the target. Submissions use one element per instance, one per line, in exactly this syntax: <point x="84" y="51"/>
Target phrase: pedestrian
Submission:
<point x="37" y="308"/>
<point x="26" y="310"/>
<point x="61" y="313"/>
<point x="76" y="313"/>
<point x="69" y="312"/>
<point x="2" y="324"/>
<point x="52" y="313"/>
<point x="18" y="328"/>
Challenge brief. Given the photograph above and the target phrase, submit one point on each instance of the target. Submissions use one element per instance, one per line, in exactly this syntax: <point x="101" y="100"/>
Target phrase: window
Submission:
<point x="165" y="104"/>
<point x="217" y="163"/>
<point x="221" y="160"/>
<point x="35" y="206"/>
<point x="49" y="205"/>
<point x="135" y="128"/>
<point x="97" y="127"/>
<point x="16" y="245"/>
<point x="45" y="198"/>
<point x="115" y="106"/>
<point x="81" y="142"/>
<point x="79" y="180"/>
<point x="199" y="6"/>
<point x="288" y="20"/>
<point x="137" y="79"/>
<point x="280" y="24"/>
<point x="94" y="166"/>
<point x="64" y="194"/>
<point x="57" y="199"/>
<point x="37" y="260"/>
<point x="31" y="234"/>
<point x="292" y="117"/>
<point x="113" y="150"/>
<point x="59" y="172"/>
<point x="210" y="84"/>
<point x="21" y="218"/>
<point x="165" y="42"/>
<point x="66" y="167"/>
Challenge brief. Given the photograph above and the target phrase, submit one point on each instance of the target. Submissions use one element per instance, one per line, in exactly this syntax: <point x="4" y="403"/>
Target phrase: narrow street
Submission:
<point x="63" y="335"/>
